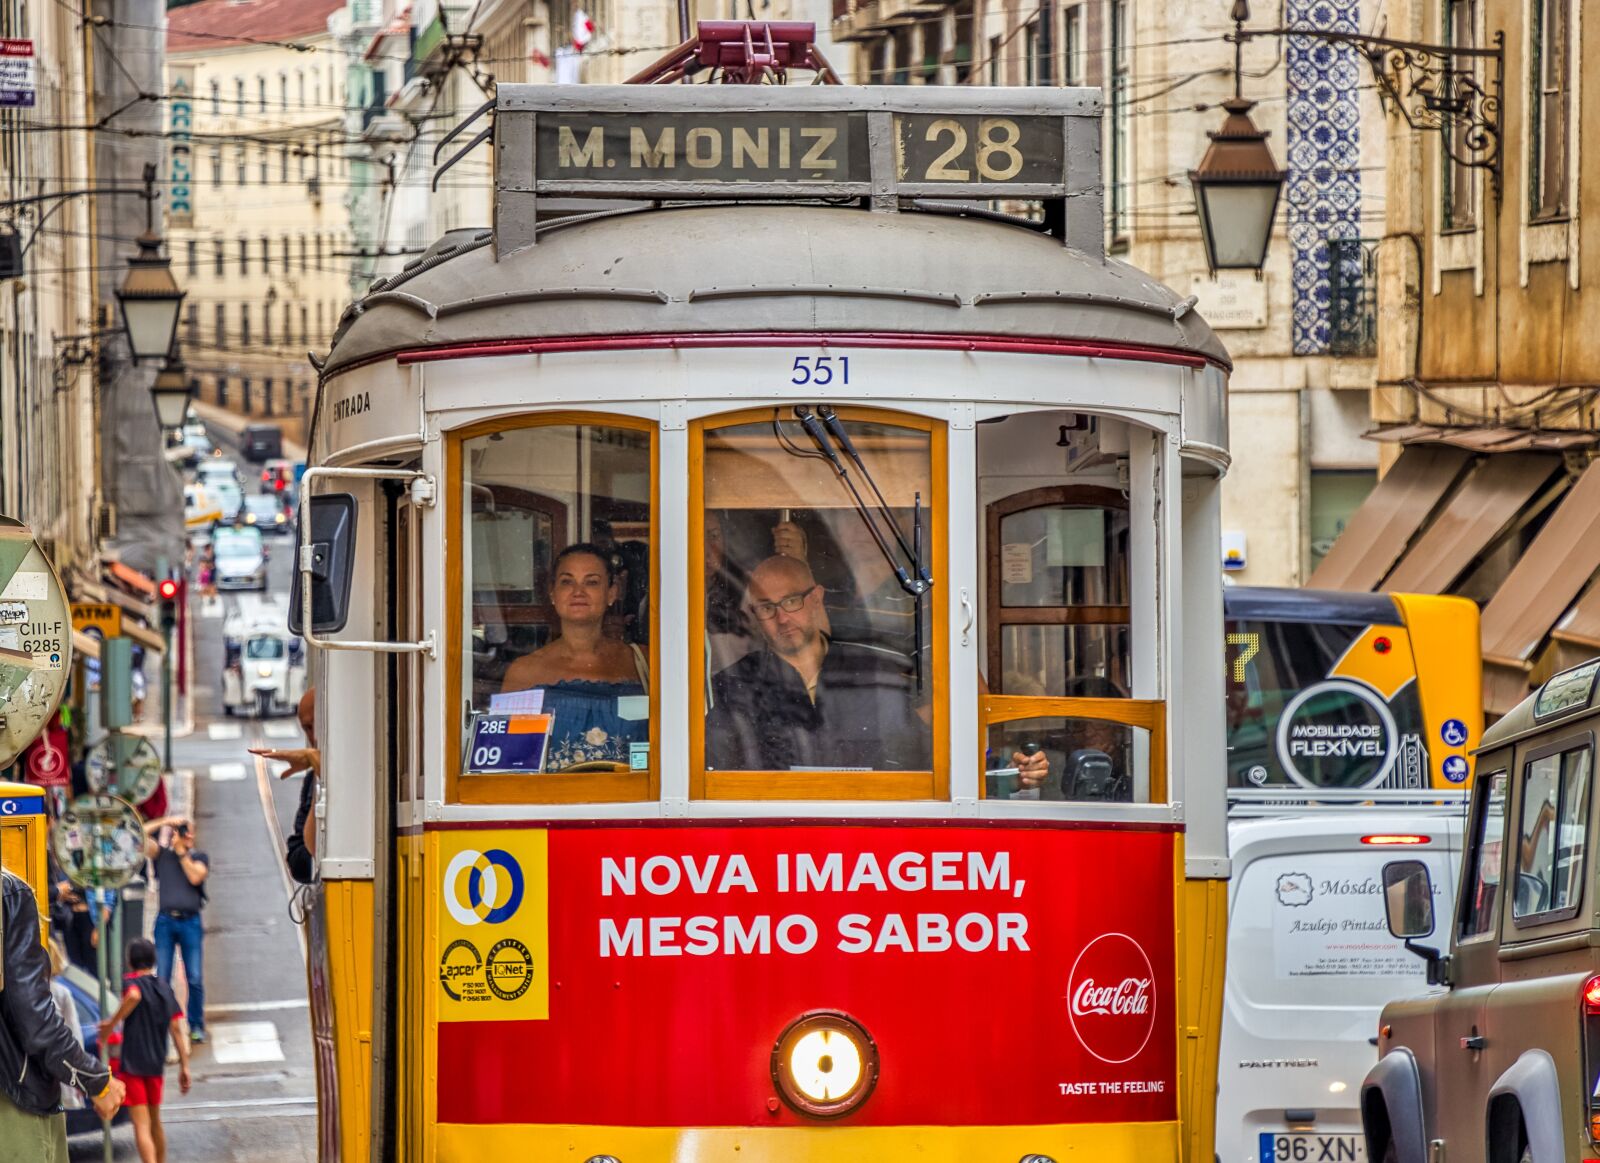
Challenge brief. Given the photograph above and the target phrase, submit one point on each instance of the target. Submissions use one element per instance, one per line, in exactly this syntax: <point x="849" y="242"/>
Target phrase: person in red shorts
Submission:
<point x="148" y="1013"/>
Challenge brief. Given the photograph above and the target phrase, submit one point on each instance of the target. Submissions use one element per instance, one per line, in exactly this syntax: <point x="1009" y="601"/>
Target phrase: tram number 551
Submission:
<point x="820" y="370"/>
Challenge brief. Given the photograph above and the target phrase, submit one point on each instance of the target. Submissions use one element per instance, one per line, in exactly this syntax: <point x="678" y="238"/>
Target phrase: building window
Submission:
<point x="1121" y="169"/>
<point x="244" y="324"/>
<point x="243" y="167"/>
<point x="266" y="323"/>
<point x="191" y="257"/>
<point x="1549" y="58"/>
<point x="216" y="167"/>
<point x="1458" y="189"/>
<point x="261" y="94"/>
<point x="1072" y="44"/>
<point x="994" y="60"/>
<point x="238" y="93"/>
<point x="1042" y="52"/>
<point x="283" y="91"/>
<point x="221" y="320"/>
<point x="216" y="99"/>
<point x="305" y="255"/>
<point x="300" y="86"/>
<point x="221" y="256"/>
<point x="283" y="164"/>
<point x="191" y="324"/>
<point x="287" y="264"/>
<point x="961" y="55"/>
<point x="319" y="251"/>
<point x="244" y="256"/>
<point x="266" y="255"/>
<point x="305" y="323"/>
<point x="262" y="162"/>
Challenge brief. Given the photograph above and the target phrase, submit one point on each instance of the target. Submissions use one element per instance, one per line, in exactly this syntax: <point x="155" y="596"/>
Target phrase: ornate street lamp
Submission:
<point x="151" y="300"/>
<point x="171" y="394"/>
<point x="1237" y="184"/>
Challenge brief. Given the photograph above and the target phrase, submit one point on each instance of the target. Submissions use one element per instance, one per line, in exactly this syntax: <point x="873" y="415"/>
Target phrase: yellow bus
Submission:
<point x="765" y="640"/>
<point x="1328" y="689"/>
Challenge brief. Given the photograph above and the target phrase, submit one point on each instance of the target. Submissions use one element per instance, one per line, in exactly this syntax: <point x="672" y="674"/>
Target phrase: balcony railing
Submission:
<point x="1352" y="297"/>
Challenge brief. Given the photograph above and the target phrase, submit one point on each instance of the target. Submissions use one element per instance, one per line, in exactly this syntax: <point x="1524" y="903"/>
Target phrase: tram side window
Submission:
<point x="1090" y="760"/>
<point x="558" y="530"/>
<point x="1302" y="711"/>
<point x="819" y="660"/>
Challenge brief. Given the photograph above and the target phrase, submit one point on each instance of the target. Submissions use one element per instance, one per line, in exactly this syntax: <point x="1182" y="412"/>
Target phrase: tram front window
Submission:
<point x="558" y="526"/>
<point x="819" y="659"/>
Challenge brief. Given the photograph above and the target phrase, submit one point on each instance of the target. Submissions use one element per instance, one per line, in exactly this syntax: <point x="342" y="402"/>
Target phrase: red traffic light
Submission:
<point x="168" y="589"/>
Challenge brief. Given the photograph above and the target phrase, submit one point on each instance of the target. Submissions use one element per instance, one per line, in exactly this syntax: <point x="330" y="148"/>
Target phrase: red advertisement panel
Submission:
<point x="1008" y="976"/>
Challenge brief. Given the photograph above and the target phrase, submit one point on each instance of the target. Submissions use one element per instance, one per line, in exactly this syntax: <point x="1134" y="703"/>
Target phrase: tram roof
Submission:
<point x="783" y="267"/>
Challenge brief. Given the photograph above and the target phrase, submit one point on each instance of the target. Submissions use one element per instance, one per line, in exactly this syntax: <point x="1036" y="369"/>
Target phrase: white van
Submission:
<point x="1311" y="962"/>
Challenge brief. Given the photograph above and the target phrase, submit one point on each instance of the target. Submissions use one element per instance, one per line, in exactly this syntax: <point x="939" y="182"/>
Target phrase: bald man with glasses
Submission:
<point x="805" y="702"/>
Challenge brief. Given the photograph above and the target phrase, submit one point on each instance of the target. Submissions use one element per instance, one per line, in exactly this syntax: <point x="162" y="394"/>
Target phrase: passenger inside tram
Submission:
<point x="588" y="676"/>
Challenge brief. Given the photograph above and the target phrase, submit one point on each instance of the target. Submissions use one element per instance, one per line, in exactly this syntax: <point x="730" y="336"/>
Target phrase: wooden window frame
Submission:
<point x="1539" y="141"/>
<point x="552" y="788"/>
<point x="997" y="615"/>
<point x="1147" y="714"/>
<point x="789" y="785"/>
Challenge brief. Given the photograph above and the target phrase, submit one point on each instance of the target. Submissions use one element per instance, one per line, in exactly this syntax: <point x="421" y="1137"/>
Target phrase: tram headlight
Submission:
<point x="264" y="670"/>
<point x="825" y="1064"/>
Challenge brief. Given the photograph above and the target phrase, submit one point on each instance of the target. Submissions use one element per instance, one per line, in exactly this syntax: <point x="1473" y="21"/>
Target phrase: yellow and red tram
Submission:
<point x="797" y="403"/>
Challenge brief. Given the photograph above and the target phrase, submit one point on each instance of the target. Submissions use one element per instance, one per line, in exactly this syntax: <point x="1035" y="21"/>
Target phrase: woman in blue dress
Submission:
<point x="594" y="683"/>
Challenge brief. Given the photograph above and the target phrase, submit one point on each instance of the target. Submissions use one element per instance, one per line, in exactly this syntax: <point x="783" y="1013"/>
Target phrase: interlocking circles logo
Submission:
<point x="483" y="887"/>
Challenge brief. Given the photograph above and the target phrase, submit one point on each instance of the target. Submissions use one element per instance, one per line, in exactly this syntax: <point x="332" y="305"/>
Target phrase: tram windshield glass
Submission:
<point x="556" y="595"/>
<point x="819" y="657"/>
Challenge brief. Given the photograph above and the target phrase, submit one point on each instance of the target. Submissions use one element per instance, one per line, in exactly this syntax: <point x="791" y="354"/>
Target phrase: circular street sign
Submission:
<point x="99" y="842"/>
<point x="35" y="640"/>
<point x="123" y="765"/>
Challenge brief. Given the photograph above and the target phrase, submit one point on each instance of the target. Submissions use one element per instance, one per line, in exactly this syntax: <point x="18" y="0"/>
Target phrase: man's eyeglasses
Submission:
<point x="789" y="604"/>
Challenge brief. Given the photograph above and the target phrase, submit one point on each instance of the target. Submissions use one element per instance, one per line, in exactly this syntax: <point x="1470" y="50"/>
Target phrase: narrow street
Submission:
<point x="253" y="1099"/>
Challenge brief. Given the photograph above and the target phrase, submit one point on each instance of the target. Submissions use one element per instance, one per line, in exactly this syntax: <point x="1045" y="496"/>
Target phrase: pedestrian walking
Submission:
<point x="181" y="871"/>
<point x="148" y="1014"/>
<point x="38" y="1052"/>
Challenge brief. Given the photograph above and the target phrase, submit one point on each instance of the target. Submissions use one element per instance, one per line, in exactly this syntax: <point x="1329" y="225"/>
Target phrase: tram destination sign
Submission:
<point x="884" y="145"/>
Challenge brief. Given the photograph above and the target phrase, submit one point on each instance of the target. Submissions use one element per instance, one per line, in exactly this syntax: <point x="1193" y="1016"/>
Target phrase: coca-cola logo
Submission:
<point x="1111" y="998"/>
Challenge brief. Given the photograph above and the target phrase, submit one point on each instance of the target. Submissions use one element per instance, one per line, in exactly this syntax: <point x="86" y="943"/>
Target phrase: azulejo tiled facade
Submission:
<point x="1323" y="194"/>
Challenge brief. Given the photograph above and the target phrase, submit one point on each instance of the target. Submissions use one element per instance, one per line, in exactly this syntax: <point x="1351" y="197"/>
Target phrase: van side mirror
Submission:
<point x="1408" y="903"/>
<point x="330" y="561"/>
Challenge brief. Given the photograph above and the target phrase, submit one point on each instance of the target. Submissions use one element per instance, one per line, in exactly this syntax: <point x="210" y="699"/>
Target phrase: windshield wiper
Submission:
<point x="914" y="580"/>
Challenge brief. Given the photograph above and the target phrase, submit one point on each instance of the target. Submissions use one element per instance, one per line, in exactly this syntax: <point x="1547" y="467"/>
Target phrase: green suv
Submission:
<point x="1500" y="1061"/>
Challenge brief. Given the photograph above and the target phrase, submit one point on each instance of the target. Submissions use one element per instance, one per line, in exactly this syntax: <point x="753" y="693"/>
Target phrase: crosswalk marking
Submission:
<point x="211" y="608"/>
<point x="222" y="731"/>
<point x="236" y="1042"/>
<point x="281" y="731"/>
<point x="221" y="772"/>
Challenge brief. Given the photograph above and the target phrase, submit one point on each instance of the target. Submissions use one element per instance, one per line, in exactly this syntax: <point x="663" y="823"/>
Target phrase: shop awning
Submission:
<point x="1577" y="636"/>
<point x="1496" y="490"/>
<point x="1559" y="563"/>
<point x="1485" y="439"/>
<point x="1378" y="532"/>
<point x="132" y="578"/>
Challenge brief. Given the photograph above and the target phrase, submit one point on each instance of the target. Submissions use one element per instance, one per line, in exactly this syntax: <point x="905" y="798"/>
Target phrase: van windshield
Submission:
<point x="1308" y="930"/>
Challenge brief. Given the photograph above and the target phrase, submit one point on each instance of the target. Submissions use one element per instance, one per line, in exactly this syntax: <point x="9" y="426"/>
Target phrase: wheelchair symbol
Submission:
<point x="1454" y="732"/>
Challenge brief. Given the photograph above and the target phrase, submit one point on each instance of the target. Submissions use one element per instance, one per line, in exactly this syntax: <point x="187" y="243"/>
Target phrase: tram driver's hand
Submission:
<point x="109" y="1101"/>
<point x="298" y="758"/>
<point x="1032" y="770"/>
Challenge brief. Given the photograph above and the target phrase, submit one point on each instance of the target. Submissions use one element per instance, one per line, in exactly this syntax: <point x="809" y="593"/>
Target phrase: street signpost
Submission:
<point x="125" y="766"/>
<point x="17" y="74"/>
<point x="99" y="843"/>
<point x="35" y="640"/>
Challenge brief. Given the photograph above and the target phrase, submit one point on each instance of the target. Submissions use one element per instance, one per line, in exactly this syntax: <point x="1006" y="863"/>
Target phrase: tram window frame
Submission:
<point x="467" y="787"/>
<point x="885" y="785"/>
<point x="1148" y="715"/>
